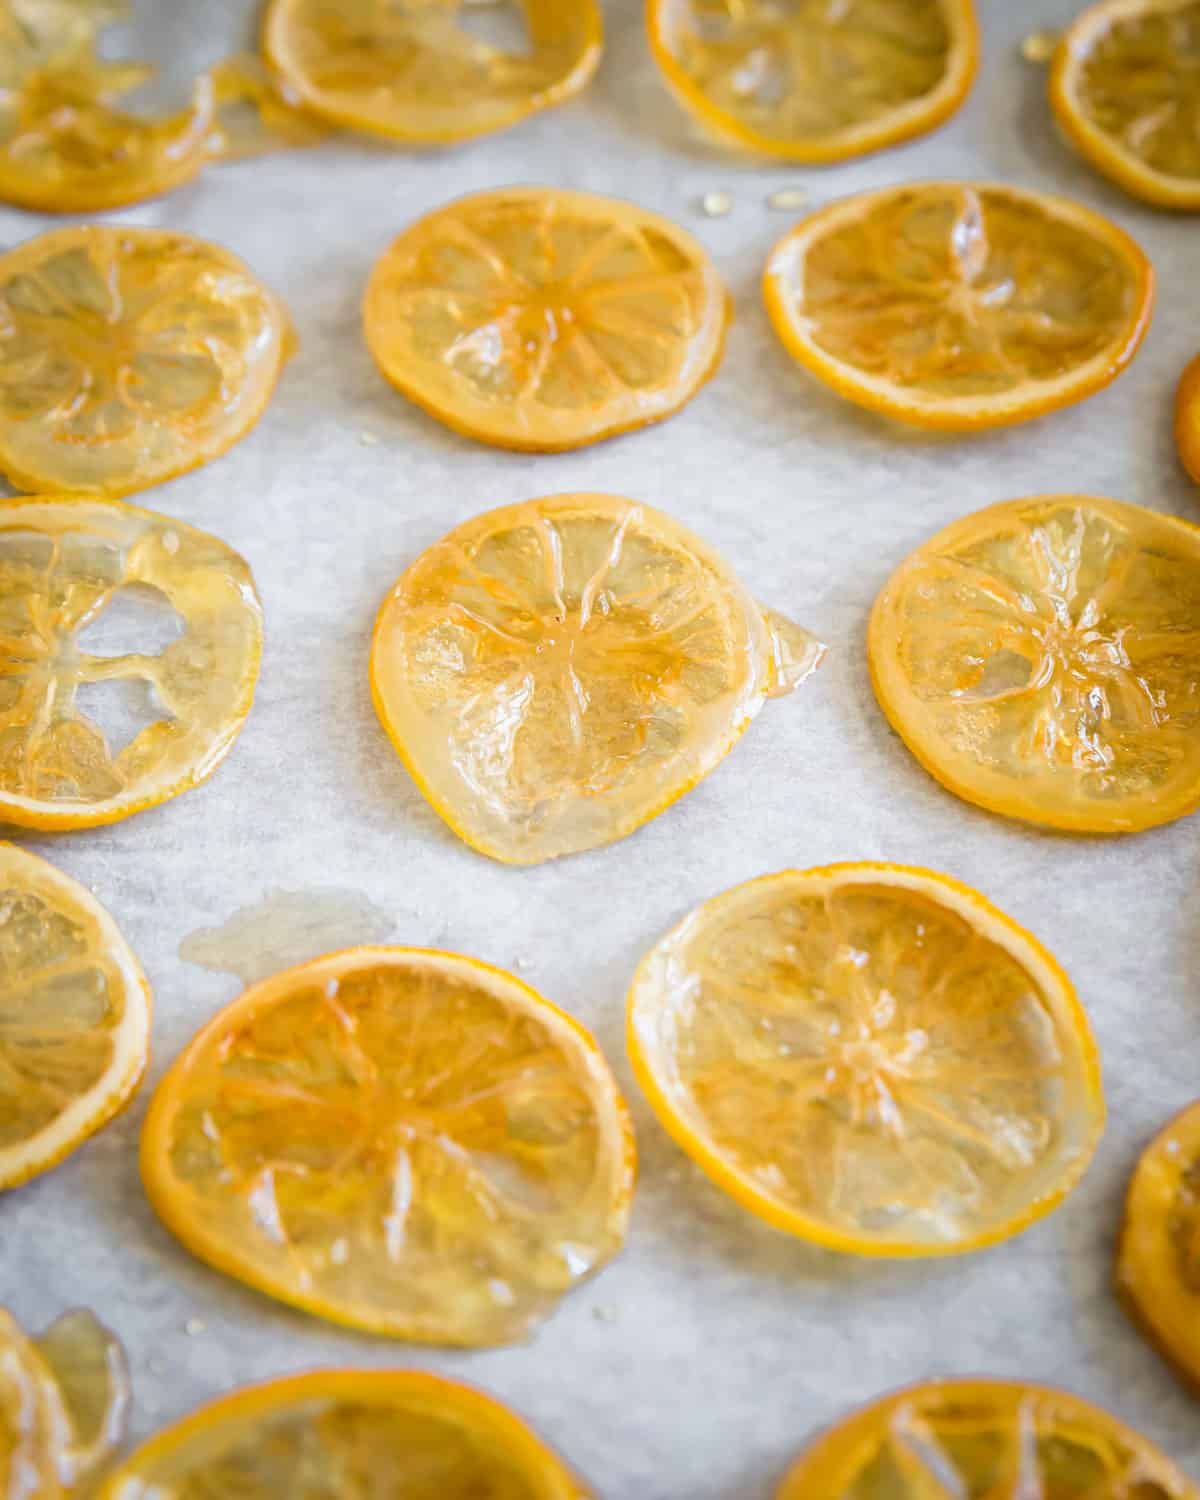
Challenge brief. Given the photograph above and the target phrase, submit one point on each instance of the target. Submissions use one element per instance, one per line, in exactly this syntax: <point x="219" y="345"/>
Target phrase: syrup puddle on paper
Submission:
<point x="287" y="928"/>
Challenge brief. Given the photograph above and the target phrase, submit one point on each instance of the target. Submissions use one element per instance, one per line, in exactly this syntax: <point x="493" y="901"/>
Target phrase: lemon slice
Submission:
<point x="1187" y="419"/>
<point x="64" y="561"/>
<point x="403" y="1141"/>
<point x="556" y="673"/>
<point x="74" y="1017"/>
<point x="870" y="1057"/>
<point x="960" y="305"/>
<point x="1041" y="658"/>
<point x="128" y="356"/>
<point x="538" y="319"/>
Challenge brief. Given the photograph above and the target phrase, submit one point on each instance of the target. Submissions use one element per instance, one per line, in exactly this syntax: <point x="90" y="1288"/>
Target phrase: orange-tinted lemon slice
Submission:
<point x="959" y="305"/>
<point x="985" y="1438"/>
<point x="1187" y="419"/>
<point x="128" y="356"/>
<point x="1041" y="658"/>
<point x="64" y="562"/>
<point x="405" y="1434"/>
<point x="74" y="1017"/>
<point x="556" y="673"/>
<point x="816" y="82"/>
<point x="870" y="1057"/>
<point x="421" y="73"/>
<point x="403" y="1141"/>
<point x="1158" y="1263"/>
<point x="1125" y="87"/>
<point x="539" y="319"/>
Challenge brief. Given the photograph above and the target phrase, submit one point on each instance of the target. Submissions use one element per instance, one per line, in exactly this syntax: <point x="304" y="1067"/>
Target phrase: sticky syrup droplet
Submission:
<point x="716" y="205"/>
<point x="1038" y="47"/>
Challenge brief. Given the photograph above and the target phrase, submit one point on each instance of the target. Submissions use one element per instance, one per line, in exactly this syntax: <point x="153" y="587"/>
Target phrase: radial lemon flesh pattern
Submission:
<point x="418" y="71"/>
<point x="960" y="305"/>
<point x="556" y="673"/>
<point x="993" y="1440"/>
<point x="403" y="1141"/>
<point x="540" y="319"/>
<point x="814" y="81"/>
<point x="869" y="1057"/>
<point x="128" y="356"/>
<point x="1042" y="659"/>
<point x="67" y="562"/>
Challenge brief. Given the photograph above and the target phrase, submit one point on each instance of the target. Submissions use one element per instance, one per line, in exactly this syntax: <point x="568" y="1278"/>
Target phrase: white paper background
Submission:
<point x="698" y="1363"/>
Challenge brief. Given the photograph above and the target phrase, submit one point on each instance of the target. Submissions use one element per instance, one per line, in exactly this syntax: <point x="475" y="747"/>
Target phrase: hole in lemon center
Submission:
<point x="498" y="25"/>
<point x="138" y="619"/>
<point x="121" y="708"/>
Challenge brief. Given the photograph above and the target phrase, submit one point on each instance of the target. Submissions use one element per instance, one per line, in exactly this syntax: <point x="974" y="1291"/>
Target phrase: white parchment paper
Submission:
<point x="704" y="1358"/>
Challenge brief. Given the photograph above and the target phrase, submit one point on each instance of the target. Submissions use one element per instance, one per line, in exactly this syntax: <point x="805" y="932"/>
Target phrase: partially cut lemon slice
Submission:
<point x="816" y="82"/>
<point x="74" y="1017"/>
<point x="985" y="1438"/>
<point x="960" y="305"/>
<point x="556" y="673"/>
<point x="1041" y="658"/>
<point x="1158" y="1263"/>
<point x="422" y="73"/>
<point x="128" y="356"/>
<point x="1125" y="86"/>
<point x="539" y="319"/>
<point x="871" y="1057"/>
<point x="175" y="712"/>
<point x="1187" y="419"/>
<point x="404" y="1141"/>
<point x="401" y="1433"/>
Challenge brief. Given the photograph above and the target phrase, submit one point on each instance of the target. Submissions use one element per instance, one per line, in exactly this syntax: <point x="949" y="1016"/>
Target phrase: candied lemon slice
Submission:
<point x="404" y="1141"/>
<point x="74" y="1017"/>
<point x="556" y="673"/>
<point x="816" y="82"/>
<point x="421" y="73"/>
<point x="128" y="356"/>
<point x="33" y="1424"/>
<point x="870" y="1057"/>
<point x="1041" y="658"/>
<point x="960" y="305"/>
<point x="538" y="319"/>
<point x="1158" y="1262"/>
<point x="1187" y="419"/>
<point x="65" y="561"/>
<point x="1125" y="87"/>
<point x="985" y="1438"/>
<point x="401" y="1433"/>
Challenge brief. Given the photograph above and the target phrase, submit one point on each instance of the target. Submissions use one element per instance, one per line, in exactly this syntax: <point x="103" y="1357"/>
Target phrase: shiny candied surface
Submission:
<point x="420" y="70"/>
<point x="1054" y="646"/>
<point x="128" y="356"/>
<point x="988" y="1441"/>
<point x="862" y="1056"/>
<point x="557" y="672"/>
<point x="401" y="1142"/>
<point x="1139" y="83"/>
<point x="63" y="564"/>
<point x="809" y="69"/>
<point x="954" y="291"/>
<point x="545" y="318"/>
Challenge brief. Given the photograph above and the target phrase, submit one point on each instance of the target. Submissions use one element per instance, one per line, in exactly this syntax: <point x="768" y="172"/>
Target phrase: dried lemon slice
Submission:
<point x="870" y="1057"/>
<point x="1187" y="419"/>
<point x="1125" y="87"/>
<point x="420" y="73"/>
<point x="556" y="673"/>
<point x="538" y="319"/>
<point x="64" y="561"/>
<point x="1158" y="1263"/>
<point x="982" y="1438"/>
<point x="399" y="1140"/>
<point x="74" y="1017"/>
<point x="960" y="305"/>
<point x="402" y="1433"/>
<point x="816" y="82"/>
<point x="1041" y="658"/>
<point x="128" y="356"/>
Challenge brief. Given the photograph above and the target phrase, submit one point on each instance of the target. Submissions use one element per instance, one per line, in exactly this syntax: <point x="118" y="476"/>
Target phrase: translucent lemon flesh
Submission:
<point x="1042" y="658"/>
<point x="557" y="672"/>
<point x="64" y="562"/>
<point x="406" y="1142"/>
<point x="540" y="319"/>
